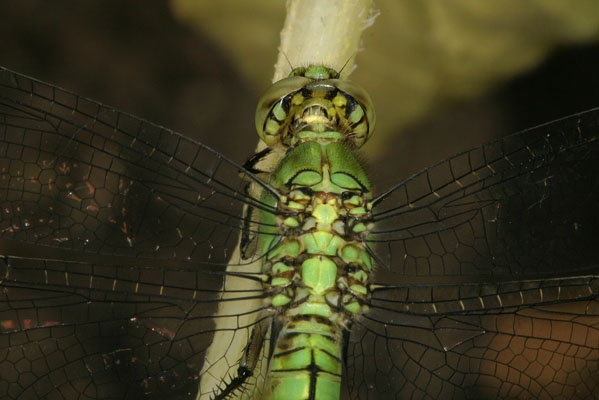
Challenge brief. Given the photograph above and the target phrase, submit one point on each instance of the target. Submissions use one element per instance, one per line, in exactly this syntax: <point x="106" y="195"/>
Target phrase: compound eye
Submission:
<point x="361" y="113"/>
<point x="272" y="111"/>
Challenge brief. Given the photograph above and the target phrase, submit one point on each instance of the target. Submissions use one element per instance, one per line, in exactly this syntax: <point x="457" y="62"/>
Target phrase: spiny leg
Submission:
<point x="248" y="362"/>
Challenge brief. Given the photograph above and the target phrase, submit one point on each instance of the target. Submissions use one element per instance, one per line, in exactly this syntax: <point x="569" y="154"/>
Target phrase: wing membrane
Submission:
<point x="83" y="329"/>
<point x="519" y="207"/>
<point x="82" y="176"/>
<point x="115" y="234"/>
<point x="492" y="279"/>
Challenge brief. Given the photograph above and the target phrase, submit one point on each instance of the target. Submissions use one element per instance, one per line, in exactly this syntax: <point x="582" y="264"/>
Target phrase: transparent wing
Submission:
<point x="81" y="176"/>
<point x="489" y="274"/>
<point x="114" y="234"/>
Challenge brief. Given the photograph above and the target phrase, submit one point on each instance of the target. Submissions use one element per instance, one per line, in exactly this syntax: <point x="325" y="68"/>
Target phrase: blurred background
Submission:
<point x="444" y="76"/>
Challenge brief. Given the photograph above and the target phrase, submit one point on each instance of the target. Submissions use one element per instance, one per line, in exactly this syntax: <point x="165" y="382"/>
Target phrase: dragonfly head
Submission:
<point x="314" y="104"/>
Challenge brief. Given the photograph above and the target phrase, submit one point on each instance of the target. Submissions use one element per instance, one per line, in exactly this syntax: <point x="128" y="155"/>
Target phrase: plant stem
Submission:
<point x="322" y="32"/>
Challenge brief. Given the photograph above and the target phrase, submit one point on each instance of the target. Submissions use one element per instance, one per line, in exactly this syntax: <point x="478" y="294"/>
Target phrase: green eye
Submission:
<point x="275" y="94"/>
<point x="279" y="112"/>
<point x="357" y="114"/>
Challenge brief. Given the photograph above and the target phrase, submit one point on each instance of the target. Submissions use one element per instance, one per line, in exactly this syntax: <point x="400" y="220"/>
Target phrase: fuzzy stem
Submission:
<point x="322" y="32"/>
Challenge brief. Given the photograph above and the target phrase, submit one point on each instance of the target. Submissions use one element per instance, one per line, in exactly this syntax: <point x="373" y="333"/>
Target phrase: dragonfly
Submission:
<point x="137" y="263"/>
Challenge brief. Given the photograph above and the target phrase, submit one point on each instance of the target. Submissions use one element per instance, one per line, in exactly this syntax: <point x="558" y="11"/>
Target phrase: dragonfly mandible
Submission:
<point x="117" y="237"/>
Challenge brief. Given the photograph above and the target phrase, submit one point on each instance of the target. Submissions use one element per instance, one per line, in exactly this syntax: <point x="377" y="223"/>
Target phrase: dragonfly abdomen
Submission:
<point x="318" y="268"/>
<point x="306" y="363"/>
<point x="319" y="283"/>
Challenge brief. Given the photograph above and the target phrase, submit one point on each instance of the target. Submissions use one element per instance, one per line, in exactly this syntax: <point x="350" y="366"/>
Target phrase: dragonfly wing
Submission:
<point x="82" y="176"/>
<point x="495" y="342"/>
<point x="489" y="274"/>
<point x="115" y="234"/>
<point x="82" y="330"/>
<point x="499" y="209"/>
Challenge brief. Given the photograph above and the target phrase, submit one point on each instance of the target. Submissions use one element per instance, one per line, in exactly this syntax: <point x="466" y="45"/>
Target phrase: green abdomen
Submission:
<point x="307" y="361"/>
<point x="318" y="269"/>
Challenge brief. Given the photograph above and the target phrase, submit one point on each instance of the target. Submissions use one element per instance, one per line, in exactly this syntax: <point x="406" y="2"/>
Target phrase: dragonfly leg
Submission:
<point x="249" y="241"/>
<point x="250" y="164"/>
<point x="248" y="362"/>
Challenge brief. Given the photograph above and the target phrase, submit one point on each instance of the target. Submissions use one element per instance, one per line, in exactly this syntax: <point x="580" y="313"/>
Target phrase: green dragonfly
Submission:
<point x="138" y="263"/>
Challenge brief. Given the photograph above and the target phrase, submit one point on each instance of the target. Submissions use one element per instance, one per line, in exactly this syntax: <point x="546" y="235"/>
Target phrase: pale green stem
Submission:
<point x="322" y="32"/>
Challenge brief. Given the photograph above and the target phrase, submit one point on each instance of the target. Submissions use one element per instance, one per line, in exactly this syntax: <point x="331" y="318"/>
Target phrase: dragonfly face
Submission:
<point x="116" y="235"/>
<point x="313" y="104"/>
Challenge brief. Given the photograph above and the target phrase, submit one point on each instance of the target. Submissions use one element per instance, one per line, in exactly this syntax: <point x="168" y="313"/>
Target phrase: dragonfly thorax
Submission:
<point x="346" y="216"/>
